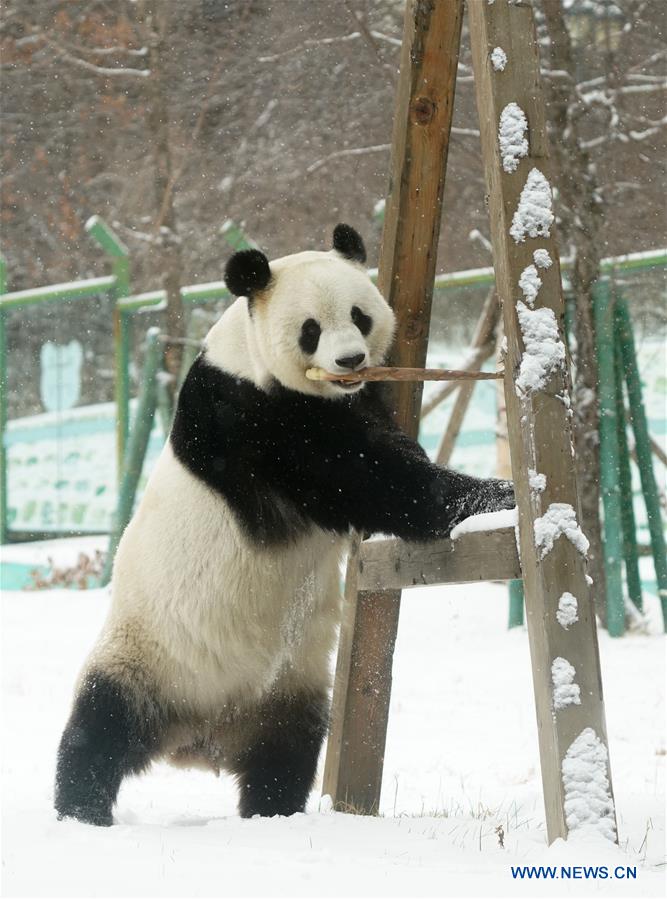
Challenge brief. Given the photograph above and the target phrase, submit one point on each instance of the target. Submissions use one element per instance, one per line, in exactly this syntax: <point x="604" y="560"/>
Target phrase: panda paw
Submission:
<point x="495" y="495"/>
<point x="95" y="816"/>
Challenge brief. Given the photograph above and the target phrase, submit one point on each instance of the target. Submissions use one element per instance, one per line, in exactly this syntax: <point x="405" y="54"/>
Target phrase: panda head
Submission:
<point x="314" y="310"/>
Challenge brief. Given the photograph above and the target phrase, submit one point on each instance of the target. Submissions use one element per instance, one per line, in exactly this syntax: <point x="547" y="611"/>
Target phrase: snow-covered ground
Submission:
<point x="461" y="761"/>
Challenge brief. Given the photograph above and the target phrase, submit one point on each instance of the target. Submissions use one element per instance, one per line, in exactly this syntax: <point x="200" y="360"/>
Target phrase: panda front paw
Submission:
<point x="495" y="494"/>
<point x="502" y="495"/>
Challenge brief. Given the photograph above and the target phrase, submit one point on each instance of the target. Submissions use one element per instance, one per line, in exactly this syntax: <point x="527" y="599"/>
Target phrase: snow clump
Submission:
<point x="588" y="803"/>
<point x="544" y="352"/>
<point x="567" y="610"/>
<point x="536" y="481"/>
<point x="542" y="259"/>
<point x="559" y="520"/>
<point x="566" y="692"/>
<point x="534" y="215"/>
<point x="530" y="283"/>
<point x="486" y="521"/>
<point x="512" y="136"/>
<point x="499" y="59"/>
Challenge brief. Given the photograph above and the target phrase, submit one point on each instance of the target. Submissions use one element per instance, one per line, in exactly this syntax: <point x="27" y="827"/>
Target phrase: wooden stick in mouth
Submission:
<point x="380" y="373"/>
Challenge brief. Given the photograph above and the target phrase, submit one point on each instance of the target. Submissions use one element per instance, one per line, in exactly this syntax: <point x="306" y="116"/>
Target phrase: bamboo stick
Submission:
<point x="403" y="374"/>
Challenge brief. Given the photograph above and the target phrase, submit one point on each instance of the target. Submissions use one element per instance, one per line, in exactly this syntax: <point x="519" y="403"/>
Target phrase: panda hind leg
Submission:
<point x="276" y="770"/>
<point x="105" y="739"/>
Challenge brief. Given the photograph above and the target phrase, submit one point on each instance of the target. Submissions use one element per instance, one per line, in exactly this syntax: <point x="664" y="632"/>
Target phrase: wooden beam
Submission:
<point x="362" y="691"/>
<point x="480" y="556"/>
<point x="422" y="124"/>
<point x="420" y="145"/>
<point x="539" y="422"/>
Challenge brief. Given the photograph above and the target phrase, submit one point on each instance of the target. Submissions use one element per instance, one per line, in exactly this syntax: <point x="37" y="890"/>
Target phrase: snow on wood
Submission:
<point x="559" y="520"/>
<point x="544" y="352"/>
<point x="566" y="692"/>
<point x="536" y="481"/>
<point x="512" y="136"/>
<point x="487" y="521"/>
<point x="588" y="803"/>
<point x="542" y="259"/>
<point x="534" y="215"/>
<point x="498" y="59"/>
<point x="530" y="283"/>
<point x="567" y="610"/>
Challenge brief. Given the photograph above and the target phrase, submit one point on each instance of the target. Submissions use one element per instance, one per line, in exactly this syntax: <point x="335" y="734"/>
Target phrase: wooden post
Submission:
<point x="539" y="423"/>
<point x="422" y="123"/>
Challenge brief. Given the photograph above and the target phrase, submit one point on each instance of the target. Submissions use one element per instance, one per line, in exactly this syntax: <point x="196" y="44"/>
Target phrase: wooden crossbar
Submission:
<point x="478" y="556"/>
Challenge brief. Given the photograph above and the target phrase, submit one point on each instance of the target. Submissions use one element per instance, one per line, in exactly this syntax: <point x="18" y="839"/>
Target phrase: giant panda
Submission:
<point x="225" y="588"/>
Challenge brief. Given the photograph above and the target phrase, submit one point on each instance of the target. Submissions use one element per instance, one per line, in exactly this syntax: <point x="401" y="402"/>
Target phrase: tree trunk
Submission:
<point x="582" y="219"/>
<point x="167" y="243"/>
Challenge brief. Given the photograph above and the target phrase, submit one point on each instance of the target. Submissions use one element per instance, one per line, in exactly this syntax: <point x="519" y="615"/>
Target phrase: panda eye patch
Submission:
<point x="310" y="336"/>
<point x="362" y="321"/>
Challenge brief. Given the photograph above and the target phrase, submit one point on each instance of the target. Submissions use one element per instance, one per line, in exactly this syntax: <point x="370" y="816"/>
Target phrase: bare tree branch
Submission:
<point x="100" y="71"/>
<point x="311" y="42"/>
<point x="356" y="151"/>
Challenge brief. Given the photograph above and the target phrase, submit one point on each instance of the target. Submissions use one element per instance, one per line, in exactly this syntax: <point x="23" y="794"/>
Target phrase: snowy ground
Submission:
<point x="461" y="760"/>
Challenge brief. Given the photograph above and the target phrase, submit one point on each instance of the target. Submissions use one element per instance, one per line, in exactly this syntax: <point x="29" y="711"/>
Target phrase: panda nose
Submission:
<point x="351" y="362"/>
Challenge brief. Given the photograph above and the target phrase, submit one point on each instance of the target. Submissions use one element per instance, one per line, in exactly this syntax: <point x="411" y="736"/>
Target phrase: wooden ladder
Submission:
<point x="539" y="425"/>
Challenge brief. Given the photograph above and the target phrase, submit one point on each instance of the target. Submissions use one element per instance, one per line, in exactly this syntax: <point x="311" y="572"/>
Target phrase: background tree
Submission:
<point x="168" y="119"/>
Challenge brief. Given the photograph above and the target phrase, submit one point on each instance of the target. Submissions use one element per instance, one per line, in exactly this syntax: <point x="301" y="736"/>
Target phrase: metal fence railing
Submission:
<point x="62" y="443"/>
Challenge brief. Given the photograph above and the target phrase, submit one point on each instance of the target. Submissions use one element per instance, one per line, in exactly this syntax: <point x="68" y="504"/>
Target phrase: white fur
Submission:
<point x="203" y="617"/>
<point x="217" y="618"/>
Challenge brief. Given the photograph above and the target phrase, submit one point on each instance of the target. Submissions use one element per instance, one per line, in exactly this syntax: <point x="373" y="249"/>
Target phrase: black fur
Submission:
<point x="362" y="321"/>
<point x="349" y="243"/>
<point x="310" y="336"/>
<point x="284" y="460"/>
<point x="275" y="773"/>
<point x="247" y="272"/>
<point x="104" y="740"/>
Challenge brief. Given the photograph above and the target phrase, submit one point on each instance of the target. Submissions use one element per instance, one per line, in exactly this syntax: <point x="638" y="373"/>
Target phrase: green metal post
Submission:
<point x="122" y="327"/>
<point x="516" y="603"/>
<point x="625" y="483"/>
<point x="236" y="236"/>
<point x="122" y="333"/>
<point x="643" y="448"/>
<point x="603" y="307"/>
<point x="98" y="229"/>
<point x="198" y="327"/>
<point x="137" y="445"/>
<point x="106" y="237"/>
<point x="4" y="517"/>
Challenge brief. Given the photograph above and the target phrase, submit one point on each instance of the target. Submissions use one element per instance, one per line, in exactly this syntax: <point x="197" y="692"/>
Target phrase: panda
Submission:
<point x="226" y="585"/>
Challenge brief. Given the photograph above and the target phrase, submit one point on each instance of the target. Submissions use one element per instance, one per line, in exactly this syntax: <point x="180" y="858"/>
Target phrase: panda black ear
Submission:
<point x="349" y="243"/>
<point x="247" y="272"/>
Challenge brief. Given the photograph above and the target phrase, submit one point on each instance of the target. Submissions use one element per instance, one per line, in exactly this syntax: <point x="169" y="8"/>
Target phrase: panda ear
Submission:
<point x="349" y="243"/>
<point x="247" y="272"/>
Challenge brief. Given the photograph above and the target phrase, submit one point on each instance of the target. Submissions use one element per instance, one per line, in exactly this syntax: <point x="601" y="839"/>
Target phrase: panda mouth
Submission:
<point x="348" y="386"/>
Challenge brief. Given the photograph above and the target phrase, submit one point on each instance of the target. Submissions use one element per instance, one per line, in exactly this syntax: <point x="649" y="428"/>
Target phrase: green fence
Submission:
<point x="63" y="312"/>
<point x="457" y="301"/>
